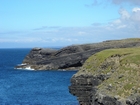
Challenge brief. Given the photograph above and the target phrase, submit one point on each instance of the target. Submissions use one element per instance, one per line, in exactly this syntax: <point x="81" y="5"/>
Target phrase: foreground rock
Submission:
<point x="71" y="57"/>
<point x="110" y="77"/>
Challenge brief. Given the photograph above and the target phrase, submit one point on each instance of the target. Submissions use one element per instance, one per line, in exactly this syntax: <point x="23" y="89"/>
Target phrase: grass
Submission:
<point x="125" y="62"/>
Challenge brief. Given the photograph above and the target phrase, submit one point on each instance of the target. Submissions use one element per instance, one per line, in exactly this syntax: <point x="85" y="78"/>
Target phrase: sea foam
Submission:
<point x="29" y="68"/>
<point x="24" y="67"/>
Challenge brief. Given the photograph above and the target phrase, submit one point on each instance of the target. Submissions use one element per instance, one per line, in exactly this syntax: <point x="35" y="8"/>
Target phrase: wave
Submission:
<point x="29" y="68"/>
<point x="24" y="67"/>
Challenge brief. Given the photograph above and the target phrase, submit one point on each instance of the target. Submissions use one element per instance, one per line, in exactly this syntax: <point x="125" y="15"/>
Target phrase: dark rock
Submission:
<point x="71" y="57"/>
<point x="104" y="80"/>
<point x="133" y="100"/>
<point x="81" y="86"/>
<point x="85" y="88"/>
<point x="36" y="49"/>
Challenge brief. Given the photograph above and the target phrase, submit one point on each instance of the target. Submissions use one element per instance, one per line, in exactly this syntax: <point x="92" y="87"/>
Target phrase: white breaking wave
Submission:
<point x="23" y="64"/>
<point x="24" y="68"/>
<point x="29" y="68"/>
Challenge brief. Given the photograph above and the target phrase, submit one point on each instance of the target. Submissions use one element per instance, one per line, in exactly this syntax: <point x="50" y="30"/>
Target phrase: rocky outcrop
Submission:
<point x="84" y="86"/>
<point x="110" y="77"/>
<point x="71" y="57"/>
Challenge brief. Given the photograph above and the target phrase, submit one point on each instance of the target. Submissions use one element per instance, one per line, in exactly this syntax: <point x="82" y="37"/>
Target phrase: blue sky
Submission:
<point x="49" y="23"/>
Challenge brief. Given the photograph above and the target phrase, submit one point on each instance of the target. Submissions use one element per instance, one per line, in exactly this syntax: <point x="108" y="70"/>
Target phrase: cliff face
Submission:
<point x="71" y="57"/>
<point x="110" y="77"/>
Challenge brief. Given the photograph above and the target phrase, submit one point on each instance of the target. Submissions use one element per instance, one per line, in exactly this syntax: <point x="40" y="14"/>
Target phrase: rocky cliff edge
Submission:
<point x="71" y="57"/>
<point x="110" y="77"/>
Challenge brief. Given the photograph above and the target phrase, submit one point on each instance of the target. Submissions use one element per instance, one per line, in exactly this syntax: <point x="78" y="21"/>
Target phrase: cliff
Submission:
<point x="71" y="57"/>
<point x="109" y="77"/>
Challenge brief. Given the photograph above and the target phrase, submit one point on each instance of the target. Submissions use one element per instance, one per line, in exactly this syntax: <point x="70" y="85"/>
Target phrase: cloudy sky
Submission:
<point x="49" y="23"/>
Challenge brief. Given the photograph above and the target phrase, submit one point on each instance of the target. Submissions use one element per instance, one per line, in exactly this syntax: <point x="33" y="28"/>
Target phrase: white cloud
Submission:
<point x="81" y="33"/>
<point x="44" y="41"/>
<point x="21" y="40"/>
<point x="136" y="9"/>
<point x="136" y="15"/>
<point x="126" y="26"/>
<point x="127" y="20"/>
<point x="63" y="39"/>
<point x="116" y="2"/>
<point x="47" y="27"/>
<point x="124" y="14"/>
<point x="121" y="26"/>
<point x="116" y="22"/>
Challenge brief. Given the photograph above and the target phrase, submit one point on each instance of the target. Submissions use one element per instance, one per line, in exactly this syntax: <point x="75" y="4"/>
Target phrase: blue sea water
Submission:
<point x="22" y="87"/>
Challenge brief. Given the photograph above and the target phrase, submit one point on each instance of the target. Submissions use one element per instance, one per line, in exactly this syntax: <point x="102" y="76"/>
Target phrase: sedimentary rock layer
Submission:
<point x="110" y="77"/>
<point x="71" y="57"/>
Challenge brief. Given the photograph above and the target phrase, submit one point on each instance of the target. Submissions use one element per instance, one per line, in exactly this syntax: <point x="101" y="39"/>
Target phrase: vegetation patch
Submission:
<point x="123" y="66"/>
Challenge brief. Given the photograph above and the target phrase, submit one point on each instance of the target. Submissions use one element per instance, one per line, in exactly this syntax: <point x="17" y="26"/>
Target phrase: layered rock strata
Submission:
<point x="110" y="77"/>
<point x="71" y="57"/>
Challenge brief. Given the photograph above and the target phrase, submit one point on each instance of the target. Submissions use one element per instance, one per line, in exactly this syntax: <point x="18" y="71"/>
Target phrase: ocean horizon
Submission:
<point x="29" y="87"/>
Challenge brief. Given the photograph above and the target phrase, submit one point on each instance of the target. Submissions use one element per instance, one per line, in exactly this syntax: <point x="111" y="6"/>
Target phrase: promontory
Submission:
<point x="71" y="57"/>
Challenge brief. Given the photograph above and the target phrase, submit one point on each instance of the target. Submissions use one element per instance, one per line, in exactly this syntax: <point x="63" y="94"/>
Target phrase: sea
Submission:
<point x="29" y="87"/>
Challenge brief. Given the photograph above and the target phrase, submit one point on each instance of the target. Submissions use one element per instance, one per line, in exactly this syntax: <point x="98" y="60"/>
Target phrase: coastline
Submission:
<point x="84" y="84"/>
<point x="70" y="57"/>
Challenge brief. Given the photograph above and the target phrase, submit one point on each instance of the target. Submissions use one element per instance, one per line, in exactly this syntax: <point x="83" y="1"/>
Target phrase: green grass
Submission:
<point x="128" y="86"/>
<point x="125" y="61"/>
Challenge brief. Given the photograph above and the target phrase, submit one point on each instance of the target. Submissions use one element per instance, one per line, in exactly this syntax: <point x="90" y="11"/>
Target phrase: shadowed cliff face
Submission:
<point x="110" y="77"/>
<point x="82" y="87"/>
<point x="71" y="57"/>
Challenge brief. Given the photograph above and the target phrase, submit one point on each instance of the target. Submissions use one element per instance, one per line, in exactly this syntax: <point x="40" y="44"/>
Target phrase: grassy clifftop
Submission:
<point x="121" y="68"/>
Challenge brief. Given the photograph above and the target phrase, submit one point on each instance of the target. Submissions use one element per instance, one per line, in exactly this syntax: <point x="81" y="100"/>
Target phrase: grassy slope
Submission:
<point x="123" y="65"/>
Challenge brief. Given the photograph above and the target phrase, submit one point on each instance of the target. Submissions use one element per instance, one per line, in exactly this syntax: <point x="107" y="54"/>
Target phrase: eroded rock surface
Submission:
<point x="110" y="77"/>
<point x="71" y="57"/>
